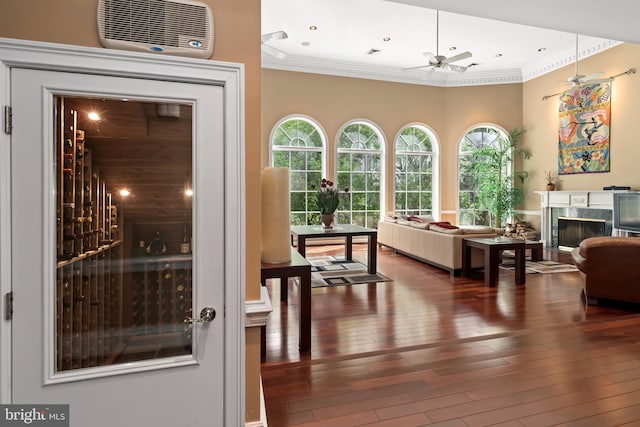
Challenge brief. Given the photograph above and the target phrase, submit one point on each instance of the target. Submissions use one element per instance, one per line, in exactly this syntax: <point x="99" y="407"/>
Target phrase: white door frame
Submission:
<point x="56" y="57"/>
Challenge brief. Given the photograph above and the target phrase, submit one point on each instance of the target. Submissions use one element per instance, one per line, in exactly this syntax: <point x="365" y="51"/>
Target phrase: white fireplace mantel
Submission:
<point x="584" y="199"/>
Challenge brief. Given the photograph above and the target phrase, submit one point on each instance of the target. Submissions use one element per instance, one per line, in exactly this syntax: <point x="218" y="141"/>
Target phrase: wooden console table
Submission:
<point x="493" y="248"/>
<point x="297" y="267"/>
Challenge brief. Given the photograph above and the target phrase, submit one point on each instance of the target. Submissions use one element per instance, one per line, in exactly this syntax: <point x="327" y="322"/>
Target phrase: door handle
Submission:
<point x="207" y="314"/>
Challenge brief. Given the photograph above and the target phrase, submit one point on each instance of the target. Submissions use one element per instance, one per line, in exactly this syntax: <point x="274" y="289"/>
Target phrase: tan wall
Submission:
<point x="466" y="107"/>
<point x="237" y="32"/>
<point x="540" y="118"/>
<point x="333" y="101"/>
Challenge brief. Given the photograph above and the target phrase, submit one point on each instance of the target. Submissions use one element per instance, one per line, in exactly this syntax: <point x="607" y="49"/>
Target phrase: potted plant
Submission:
<point x="494" y="176"/>
<point x="327" y="199"/>
<point x="550" y="178"/>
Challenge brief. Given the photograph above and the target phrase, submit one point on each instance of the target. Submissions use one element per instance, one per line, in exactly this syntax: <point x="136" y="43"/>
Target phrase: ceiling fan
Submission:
<point x="440" y="61"/>
<point x="580" y="79"/>
<point x="277" y="35"/>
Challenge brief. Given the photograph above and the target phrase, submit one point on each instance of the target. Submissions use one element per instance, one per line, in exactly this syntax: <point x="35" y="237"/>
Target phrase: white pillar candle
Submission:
<point x="276" y="230"/>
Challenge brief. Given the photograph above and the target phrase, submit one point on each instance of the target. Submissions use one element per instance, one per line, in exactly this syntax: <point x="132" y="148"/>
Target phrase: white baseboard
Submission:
<point x="262" y="422"/>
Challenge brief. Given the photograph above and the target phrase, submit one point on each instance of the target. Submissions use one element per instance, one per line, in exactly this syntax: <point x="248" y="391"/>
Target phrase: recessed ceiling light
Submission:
<point x="498" y="55"/>
<point x="305" y="43"/>
<point x="93" y="116"/>
<point x="452" y="48"/>
<point x="188" y="192"/>
<point x="313" y="28"/>
<point x="386" y="39"/>
<point x="125" y="192"/>
<point x="542" y="49"/>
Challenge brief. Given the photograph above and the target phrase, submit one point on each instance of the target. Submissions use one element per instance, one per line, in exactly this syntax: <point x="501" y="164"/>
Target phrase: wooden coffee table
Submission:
<point x="348" y="231"/>
<point x="492" y="248"/>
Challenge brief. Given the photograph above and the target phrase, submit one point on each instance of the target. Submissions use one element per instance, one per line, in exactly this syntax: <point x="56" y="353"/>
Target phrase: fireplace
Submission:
<point x="584" y="214"/>
<point x="571" y="231"/>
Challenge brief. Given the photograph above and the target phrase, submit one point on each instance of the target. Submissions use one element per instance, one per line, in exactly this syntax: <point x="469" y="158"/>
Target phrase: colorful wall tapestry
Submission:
<point x="583" y="132"/>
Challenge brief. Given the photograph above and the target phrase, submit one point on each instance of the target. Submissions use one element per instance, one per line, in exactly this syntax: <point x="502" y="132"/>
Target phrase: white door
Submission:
<point x="102" y="281"/>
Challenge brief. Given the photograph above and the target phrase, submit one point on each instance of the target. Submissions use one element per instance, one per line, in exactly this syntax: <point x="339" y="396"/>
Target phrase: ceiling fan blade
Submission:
<point x="458" y="57"/>
<point x="273" y="51"/>
<point x="276" y="35"/>
<point x="457" y="68"/>
<point x="431" y="57"/>
<point x="429" y="73"/>
<point x="591" y="77"/>
<point x="605" y="80"/>
<point x="417" y="68"/>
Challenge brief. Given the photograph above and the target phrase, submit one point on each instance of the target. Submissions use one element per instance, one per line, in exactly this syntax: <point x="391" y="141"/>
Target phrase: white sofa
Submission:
<point x="436" y="246"/>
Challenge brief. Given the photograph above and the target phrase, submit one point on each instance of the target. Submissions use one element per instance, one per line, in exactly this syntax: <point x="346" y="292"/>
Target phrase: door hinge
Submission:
<point x="8" y="119"/>
<point x="8" y="306"/>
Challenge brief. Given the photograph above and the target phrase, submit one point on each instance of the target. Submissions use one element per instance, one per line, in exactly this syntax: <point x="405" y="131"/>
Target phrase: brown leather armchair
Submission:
<point x="610" y="268"/>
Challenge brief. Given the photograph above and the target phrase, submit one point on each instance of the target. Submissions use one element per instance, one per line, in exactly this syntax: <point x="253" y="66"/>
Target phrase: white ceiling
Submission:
<point x="348" y="29"/>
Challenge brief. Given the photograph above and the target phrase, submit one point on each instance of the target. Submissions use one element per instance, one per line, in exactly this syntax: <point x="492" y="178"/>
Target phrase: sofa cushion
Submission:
<point x="444" y="224"/>
<point x="421" y="218"/>
<point x="420" y="225"/>
<point x="444" y="228"/>
<point x="477" y="229"/>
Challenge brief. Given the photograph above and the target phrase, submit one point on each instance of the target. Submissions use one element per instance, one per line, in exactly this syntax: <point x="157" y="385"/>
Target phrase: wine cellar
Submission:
<point x="123" y="232"/>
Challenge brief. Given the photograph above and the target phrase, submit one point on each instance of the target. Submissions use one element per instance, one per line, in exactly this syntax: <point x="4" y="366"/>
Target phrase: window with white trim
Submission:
<point x="298" y="143"/>
<point x="360" y="151"/>
<point x="415" y="155"/>
<point x="469" y="211"/>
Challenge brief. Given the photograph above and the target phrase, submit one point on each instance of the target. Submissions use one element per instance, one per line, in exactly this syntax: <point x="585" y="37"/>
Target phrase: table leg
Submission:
<point x="466" y="260"/>
<point x="284" y="288"/>
<point x="491" y="265"/>
<point x="520" y="266"/>
<point x="372" y="260"/>
<point x="305" y="311"/>
<point x="302" y="247"/>
<point x="536" y="252"/>
<point x="348" y="250"/>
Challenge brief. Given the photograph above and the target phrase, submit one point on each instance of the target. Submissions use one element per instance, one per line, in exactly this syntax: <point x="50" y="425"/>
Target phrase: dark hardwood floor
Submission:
<point x="425" y="349"/>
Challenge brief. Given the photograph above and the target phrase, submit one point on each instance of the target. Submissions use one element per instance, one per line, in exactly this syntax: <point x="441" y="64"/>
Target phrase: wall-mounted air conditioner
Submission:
<point x="174" y="27"/>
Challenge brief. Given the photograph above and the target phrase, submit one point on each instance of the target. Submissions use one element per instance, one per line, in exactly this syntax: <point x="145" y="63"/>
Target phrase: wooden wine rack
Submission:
<point x="89" y="286"/>
<point x="161" y="293"/>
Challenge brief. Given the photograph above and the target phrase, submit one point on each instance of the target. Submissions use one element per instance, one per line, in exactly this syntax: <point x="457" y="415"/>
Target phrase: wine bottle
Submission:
<point x="185" y="247"/>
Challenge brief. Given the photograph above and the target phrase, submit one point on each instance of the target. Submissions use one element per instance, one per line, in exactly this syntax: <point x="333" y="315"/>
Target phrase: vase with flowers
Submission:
<point x="327" y="199"/>
<point x="551" y="178"/>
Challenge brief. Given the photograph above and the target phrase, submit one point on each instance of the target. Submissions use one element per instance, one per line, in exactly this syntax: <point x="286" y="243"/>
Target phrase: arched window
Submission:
<point x="359" y="166"/>
<point x="415" y="170"/>
<point x="299" y="143"/>
<point x="469" y="211"/>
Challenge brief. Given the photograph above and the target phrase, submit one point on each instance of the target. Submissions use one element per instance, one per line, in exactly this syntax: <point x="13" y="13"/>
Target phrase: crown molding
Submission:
<point x="439" y="78"/>
<point x="560" y="61"/>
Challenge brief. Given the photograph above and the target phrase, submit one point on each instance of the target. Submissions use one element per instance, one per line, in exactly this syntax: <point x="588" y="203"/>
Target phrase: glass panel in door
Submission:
<point x="124" y="226"/>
